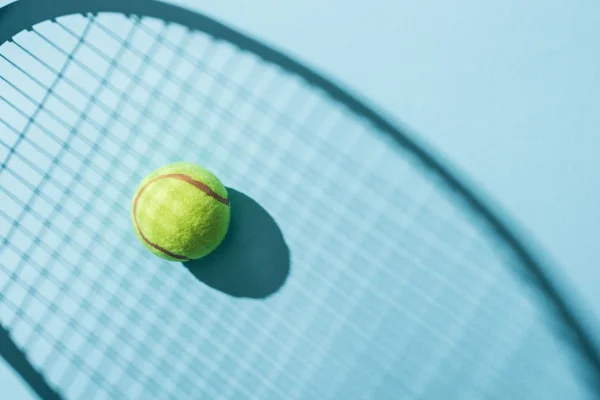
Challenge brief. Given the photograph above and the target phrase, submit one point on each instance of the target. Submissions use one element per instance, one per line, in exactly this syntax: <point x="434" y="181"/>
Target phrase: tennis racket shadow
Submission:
<point x="253" y="260"/>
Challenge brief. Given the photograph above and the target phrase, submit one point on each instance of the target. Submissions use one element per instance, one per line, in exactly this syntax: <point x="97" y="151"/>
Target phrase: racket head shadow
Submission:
<point x="401" y="279"/>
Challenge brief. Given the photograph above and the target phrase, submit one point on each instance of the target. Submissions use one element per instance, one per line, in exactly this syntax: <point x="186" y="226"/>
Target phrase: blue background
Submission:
<point x="506" y="90"/>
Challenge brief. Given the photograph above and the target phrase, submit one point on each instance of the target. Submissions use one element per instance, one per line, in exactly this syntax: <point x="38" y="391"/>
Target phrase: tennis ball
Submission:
<point x="181" y="212"/>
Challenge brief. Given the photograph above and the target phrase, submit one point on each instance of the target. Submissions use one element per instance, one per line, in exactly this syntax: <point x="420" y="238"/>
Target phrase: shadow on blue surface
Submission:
<point x="253" y="260"/>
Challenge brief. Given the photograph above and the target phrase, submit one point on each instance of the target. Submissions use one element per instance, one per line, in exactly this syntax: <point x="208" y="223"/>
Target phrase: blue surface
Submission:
<point x="508" y="91"/>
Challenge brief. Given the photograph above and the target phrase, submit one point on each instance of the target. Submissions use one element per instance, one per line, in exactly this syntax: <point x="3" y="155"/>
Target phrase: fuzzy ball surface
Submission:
<point x="181" y="212"/>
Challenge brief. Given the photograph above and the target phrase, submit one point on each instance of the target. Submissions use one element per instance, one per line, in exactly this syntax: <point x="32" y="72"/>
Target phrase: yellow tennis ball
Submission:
<point x="181" y="212"/>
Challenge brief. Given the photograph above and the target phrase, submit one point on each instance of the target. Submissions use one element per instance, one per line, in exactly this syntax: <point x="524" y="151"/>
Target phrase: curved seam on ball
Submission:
<point x="200" y="185"/>
<point x="203" y="187"/>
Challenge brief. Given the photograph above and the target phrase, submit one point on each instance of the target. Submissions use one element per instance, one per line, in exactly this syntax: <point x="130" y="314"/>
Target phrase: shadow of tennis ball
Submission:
<point x="253" y="260"/>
